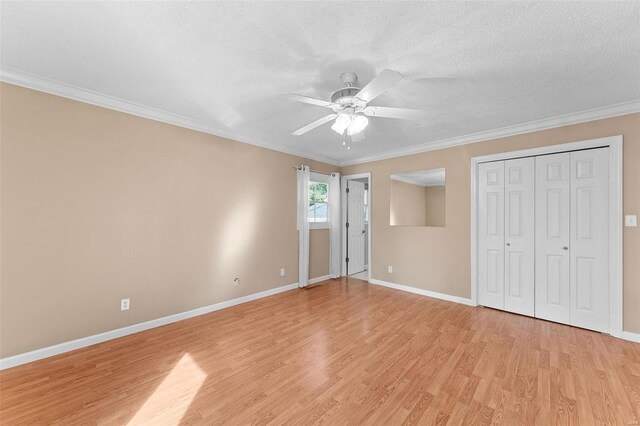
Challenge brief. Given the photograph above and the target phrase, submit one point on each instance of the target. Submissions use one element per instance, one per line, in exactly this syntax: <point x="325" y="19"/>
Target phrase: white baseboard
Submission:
<point x="49" y="351"/>
<point x="423" y="292"/>
<point x="627" y="335"/>
<point x="319" y="279"/>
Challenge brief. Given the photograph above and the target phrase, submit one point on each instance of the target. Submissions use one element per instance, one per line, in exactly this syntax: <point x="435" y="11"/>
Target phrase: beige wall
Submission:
<point x="416" y="205"/>
<point x="318" y="253"/>
<point x="407" y="205"/>
<point x="438" y="259"/>
<point x="98" y="205"/>
<point x="435" y="209"/>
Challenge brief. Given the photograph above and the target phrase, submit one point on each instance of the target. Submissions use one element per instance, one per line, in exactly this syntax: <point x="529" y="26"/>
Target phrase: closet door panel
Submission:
<point x="552" y="237"/>
<point x="491" y="234"/>
<point x="519" y="236"/>
<point x="589" y="250"/>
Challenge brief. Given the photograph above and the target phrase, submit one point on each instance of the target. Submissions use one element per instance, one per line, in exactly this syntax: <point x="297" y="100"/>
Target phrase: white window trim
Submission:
<point x="319" y="177"/>
<point x="319" y="225"/>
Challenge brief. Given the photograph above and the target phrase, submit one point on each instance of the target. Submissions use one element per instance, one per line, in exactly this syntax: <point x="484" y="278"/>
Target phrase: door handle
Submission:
<point x="508" y="244"/>
<point x="565" y="248"/>
<point x="363" y="231"/>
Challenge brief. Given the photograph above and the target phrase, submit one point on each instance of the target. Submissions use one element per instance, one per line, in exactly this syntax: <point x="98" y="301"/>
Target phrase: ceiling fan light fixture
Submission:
<point x="342" y="123"/>
<point x="350" y="105"/>
<point x="358" y="124"/>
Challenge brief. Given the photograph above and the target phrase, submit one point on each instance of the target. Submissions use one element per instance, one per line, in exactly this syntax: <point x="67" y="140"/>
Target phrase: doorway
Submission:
<point x="356" y="225"/>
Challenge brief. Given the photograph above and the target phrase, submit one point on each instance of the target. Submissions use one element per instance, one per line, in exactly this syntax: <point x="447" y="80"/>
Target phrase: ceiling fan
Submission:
<point x="350" y="105"/>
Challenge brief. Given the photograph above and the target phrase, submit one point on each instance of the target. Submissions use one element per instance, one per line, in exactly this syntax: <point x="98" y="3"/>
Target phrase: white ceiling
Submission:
<point x="432" y="177"/>
<point x="472" y="66"/>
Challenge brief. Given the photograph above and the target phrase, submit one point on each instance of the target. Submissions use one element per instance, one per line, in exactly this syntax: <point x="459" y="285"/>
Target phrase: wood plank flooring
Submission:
<point x="344" y="352"/>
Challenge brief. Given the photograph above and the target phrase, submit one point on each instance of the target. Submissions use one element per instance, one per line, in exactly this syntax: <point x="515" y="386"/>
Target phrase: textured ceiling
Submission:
<point x="472" y="66"/>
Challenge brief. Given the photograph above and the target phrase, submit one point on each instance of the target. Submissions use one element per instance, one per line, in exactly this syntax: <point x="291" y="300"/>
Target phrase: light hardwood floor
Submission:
<point x="339" y="353"/>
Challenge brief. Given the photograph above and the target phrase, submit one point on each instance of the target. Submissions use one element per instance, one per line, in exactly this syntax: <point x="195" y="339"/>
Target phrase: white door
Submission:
<point x="356" y="231"/>
<point x="552" y="237"/>
<point x="519" y="182"/>
<point x="491" y="234"/>
<point x="589" y="239"/>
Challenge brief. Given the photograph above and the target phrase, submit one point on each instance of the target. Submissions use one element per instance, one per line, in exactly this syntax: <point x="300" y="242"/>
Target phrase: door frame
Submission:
<point x="343" y="208"/>
<point x="614" y="143"/>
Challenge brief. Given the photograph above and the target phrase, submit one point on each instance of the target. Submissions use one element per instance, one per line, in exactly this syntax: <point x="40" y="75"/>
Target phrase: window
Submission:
<point x="318" y="201"/>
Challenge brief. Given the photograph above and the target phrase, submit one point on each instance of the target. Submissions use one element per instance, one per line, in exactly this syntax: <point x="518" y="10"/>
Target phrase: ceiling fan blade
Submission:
<point x="378" y="85"/>
<point x="402" y="113"/>
<point x="311" y="126"/>
<point x="358" y="137"/>
<point x="308" y="100"/>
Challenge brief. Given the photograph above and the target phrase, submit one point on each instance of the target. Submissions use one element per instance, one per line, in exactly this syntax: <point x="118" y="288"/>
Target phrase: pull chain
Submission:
<point x="344" y="140"/>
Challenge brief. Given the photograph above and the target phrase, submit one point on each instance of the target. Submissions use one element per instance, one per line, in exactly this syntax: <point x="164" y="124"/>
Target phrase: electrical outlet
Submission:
<point x="631" y="220"/>
<point x="282" y="272"/>
<point x="390" y="269"/>
<point x="236" y="282"/>
<point x="124" y="304"/>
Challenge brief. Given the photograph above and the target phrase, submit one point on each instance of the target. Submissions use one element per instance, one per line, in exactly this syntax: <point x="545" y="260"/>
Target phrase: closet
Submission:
<point x="543" y="237"/>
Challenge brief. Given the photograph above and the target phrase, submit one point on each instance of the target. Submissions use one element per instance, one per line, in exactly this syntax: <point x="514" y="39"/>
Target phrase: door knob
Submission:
<point x="508" y="244"/>
<point x="565" y="248"/>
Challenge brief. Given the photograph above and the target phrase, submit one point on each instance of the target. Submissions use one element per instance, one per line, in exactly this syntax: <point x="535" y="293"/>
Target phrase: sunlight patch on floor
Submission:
<point x="168" y="404"/>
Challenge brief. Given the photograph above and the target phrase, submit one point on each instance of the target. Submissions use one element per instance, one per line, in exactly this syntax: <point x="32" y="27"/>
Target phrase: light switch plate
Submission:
<point x="631" y="220"/>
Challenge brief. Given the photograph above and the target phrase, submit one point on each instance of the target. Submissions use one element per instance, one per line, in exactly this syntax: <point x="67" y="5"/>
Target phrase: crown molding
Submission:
<point x="519" y="129"/>
<point x="64" y="90"/>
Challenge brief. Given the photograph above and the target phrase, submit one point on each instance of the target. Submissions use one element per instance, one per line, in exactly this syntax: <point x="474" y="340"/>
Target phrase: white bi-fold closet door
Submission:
<point x="543" y="237"/>
<point x="506" y="243"/>
<point x="572" y="238"/>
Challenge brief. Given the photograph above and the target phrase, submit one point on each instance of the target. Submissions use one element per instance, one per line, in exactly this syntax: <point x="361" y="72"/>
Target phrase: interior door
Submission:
<point x="356" y="231"/>
<point x="491" y="234"/>
<point x="589" y="247"/>
<point x="519" y="183"/>
<point x="552" y="292"/>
